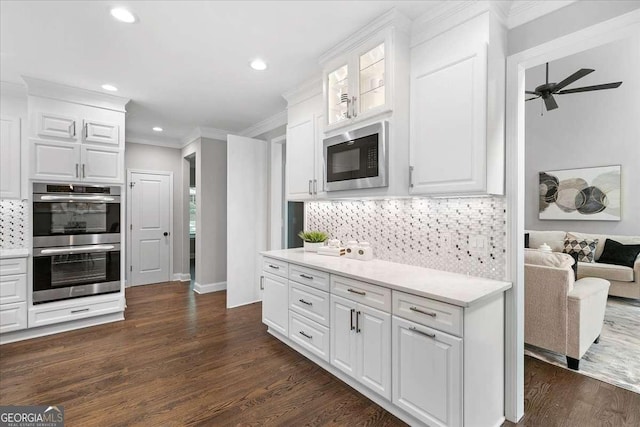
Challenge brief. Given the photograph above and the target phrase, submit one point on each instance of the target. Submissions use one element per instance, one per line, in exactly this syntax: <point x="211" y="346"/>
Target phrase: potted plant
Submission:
<point x="313" y="240"/>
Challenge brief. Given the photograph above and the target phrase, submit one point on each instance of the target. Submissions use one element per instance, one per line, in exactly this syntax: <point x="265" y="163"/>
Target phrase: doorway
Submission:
<point x="150" y="201"/>
<point x="192" y="219"/>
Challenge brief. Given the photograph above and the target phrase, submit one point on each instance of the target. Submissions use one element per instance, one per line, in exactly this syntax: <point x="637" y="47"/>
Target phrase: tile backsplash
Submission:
<point x="431" y="233"/>
<point x="13" y="224"/>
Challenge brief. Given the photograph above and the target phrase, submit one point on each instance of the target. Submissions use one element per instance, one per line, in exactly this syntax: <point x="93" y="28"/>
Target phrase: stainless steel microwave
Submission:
<point x="357" y="159"/>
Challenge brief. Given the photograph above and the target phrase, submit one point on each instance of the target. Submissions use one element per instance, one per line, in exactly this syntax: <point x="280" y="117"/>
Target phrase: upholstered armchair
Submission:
<point x="562" y="315"/>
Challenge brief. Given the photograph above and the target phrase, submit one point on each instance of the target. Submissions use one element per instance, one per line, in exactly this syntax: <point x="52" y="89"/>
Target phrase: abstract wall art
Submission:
<point x="581" y="194"/>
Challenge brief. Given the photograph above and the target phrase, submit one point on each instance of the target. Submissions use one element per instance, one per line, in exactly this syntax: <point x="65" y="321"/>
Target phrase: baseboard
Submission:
<point x="181" y="277"/>
<point x="57" y="328"/>
<point x="209" y="287"/>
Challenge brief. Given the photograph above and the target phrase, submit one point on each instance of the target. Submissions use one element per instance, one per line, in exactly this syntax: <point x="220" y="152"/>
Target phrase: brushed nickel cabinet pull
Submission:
<point x="305" y="335"/>
<point x="305" y="302"/>
<point x="274" y="266"/>
<point x="261" y="282"/>
<point x="353" y="291"/>
<point x="79" y="311"/>
<point x="306" y="277"/>
<point x="84" y="175"/>
<point x="310" y="190"/>
<point x="74" y="128"/>
<point x="410" y="176"/>
<point x="353" y="310"/>
<point x="77" y="170"/>
<point x="315" y="186"/>
<point x="354" y="106"/>
<point x="428" y="313"/>
<point x="86" y="130"/>
<point x="426" y="334"/>
<point x="358" y="330"/>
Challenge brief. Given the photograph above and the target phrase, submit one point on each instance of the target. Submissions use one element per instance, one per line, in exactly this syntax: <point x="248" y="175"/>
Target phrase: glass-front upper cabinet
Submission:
<point x="356" y="84"/>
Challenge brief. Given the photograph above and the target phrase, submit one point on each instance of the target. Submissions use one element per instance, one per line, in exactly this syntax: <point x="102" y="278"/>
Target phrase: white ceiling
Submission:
<point x="185" y="63"/>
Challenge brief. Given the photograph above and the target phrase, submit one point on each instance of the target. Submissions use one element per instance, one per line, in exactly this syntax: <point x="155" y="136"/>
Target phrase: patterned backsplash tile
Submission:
<point x="432" y="233"/>
<point x="13" y="224"/>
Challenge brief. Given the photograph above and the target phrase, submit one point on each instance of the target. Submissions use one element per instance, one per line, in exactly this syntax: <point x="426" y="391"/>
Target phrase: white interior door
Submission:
<point x="150" y="204"/>
<point x="246" y="217"/>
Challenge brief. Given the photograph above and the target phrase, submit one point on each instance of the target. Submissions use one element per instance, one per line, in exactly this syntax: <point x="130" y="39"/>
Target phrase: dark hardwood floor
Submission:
<point x="182" y="359"/>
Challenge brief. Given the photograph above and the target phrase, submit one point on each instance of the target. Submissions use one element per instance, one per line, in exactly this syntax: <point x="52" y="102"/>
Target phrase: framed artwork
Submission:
<point x="581" y="194"/>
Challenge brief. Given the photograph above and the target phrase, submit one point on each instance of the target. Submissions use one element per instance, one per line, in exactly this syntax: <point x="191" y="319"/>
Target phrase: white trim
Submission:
<point x="57" y="328"/>
<point x="304" y="91"/>
<point x="209" y="287"/>
<point x="587" y="38"/>
<point x="270" y="123"/>
<point x="45" y="89"/>
<point x="522" y="12"/>
<point x="244" y="303"/>
<point x="167" y="143"/>
<point x="128" y="230"/>
<point x="13" y="89"/>
<point x="204" y="132"/>
<point x="181" y="277"/>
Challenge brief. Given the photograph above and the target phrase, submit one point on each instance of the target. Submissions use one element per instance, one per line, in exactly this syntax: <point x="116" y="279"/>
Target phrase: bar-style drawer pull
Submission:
<point x="306" y="277"/>
<point x="305" y="335"/>
<point x="305" y="302"/>
<point x="353" y="291"/>
<point x="426" y="334"/>
<point x="79" y="311"/>
<point x="274" y="266"/>
<point x="428" y="313"/>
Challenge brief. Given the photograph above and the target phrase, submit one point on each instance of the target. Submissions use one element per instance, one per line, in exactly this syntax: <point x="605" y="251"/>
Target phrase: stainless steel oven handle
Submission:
<point x="73" y="249"/>
<point x="78" y="198"/>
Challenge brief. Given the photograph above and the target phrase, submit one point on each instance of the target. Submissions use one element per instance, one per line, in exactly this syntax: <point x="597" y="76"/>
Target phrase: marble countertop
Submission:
<point x="452" y="288"/>
<point x="14" y="253"/>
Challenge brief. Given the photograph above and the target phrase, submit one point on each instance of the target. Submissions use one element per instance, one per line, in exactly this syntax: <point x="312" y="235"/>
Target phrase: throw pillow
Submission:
<point x="619" y="254"/>
<point x="548" y="259"/>
<point x="574" y="255"/>
<point x="585" y="248"/>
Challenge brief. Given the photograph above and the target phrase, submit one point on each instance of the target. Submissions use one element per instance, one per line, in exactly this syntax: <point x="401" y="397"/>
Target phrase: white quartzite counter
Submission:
<point x="426" y="345"/>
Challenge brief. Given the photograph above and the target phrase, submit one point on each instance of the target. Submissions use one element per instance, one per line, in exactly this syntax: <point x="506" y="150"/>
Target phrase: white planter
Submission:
<point x="312" y="247"/>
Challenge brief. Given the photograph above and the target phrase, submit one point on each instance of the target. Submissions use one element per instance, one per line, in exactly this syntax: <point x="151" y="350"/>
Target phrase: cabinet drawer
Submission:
<point x="309" y="302"/>
<point x="435" y="314"/>
<point x="13" y="288"/>
<point x="372" y="295"/>
<point x="310" y="335"/>
<point x="274" y="266"/>
<point x="308" y="276"/>
<point x="39" y="316"/>
<point x="13" y="266"/>
<point x="13" y="317"/>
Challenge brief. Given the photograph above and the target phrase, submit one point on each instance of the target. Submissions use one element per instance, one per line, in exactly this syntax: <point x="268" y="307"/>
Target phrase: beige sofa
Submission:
<point x="625" y="281"/>
<point x="561" y="315"/>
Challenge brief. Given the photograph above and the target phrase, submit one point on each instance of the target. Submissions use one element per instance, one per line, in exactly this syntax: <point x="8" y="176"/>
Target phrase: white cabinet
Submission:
<point x="97" y="132"/>
<point x="55" y="160"/>
<point x="360" y="337"/>
<point x="456" y="119"/>
<point x="56" y="125"/>
<point x="275" y="302"/>
<point x="10" y="157"/>
<point x="427" y="373"/>
<point x="13" y="294"/>
<point x="102" y="164"/>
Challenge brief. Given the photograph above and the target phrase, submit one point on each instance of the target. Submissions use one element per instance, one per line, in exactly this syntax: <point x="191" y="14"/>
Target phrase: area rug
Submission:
<point x="616" y="358"/>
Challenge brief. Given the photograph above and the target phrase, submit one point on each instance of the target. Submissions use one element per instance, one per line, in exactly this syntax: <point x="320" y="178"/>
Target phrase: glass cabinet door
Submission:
<point x="338" y="97"/>
<point x="371" y="77"/>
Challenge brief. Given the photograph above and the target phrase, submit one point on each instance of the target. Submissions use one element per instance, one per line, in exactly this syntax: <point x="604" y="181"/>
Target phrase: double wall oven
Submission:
<point x="76" y="240"/>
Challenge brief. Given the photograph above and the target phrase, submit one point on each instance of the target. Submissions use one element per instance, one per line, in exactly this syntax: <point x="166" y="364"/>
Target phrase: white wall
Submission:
<point x="590" y="129"/>
<point x="154" y="158"/>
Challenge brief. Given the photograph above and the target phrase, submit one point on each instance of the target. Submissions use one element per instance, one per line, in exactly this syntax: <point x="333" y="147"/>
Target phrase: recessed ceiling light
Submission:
<point x="258" y="64"/>
<point x="110" y="88"/>
<point x="157" y="129"/>
<point x="123" y="15"/>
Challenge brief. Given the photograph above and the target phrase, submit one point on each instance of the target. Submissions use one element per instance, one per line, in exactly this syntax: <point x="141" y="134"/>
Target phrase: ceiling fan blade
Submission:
<point x="550" y="103"/>
<point x="572" y="78"/>
<point x="590" y="88"/>
<point x="530" y="92"/>
<point x="531" y="99"/>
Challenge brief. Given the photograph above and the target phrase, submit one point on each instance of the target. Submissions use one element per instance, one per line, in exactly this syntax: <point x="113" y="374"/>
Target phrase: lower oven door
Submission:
<point x="75" y="271"/>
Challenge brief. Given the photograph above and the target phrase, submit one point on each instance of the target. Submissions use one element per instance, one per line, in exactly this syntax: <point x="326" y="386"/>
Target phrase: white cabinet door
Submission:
<point x="427" y="373"/>
<point x="56" y="125"/>
<point x="300" y="160"/>
<point x="13" y="317"/>
<point x="102" y="164"/>
<point x="373" y="328"/>
<point x="448" y="125"/>
<point x="55" y="160"/>
<point x="10" y="158"/>
<point x="275" y="303"/>
<point x="101" y="132"/>
<point x="318" y="183"/>
<point x="343" y="346"/>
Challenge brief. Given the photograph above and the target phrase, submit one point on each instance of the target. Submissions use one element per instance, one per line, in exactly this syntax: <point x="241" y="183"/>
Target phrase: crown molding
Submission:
<point x="444" y="16"/>
<point x="140" y="139"/>
<point x="204" y="132"/>
<point x="522" y="11"/>
<point x="13" y="89"/>
<point x="46" y="89"/>
<point x="391" y="18"/>
<point x="306" y="90"/>
<point x="266" y="125"/>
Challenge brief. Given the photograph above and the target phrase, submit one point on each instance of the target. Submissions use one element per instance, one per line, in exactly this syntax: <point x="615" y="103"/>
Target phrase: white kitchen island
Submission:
<point x="426" y="345"/>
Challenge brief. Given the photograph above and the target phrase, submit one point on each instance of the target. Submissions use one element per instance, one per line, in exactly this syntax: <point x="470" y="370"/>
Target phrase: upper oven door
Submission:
<point x="73" y="214"/>
<point x="356" y="159"/>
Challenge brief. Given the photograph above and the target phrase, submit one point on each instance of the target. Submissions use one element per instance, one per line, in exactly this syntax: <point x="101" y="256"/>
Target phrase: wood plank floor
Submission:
<point x="182" y="359"/>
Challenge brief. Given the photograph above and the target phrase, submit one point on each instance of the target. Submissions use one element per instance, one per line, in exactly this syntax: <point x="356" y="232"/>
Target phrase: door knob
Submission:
<point x="165" y="234"/>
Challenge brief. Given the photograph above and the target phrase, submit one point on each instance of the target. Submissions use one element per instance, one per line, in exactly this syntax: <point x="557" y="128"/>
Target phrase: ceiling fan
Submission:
<point x="547" y="90"/>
